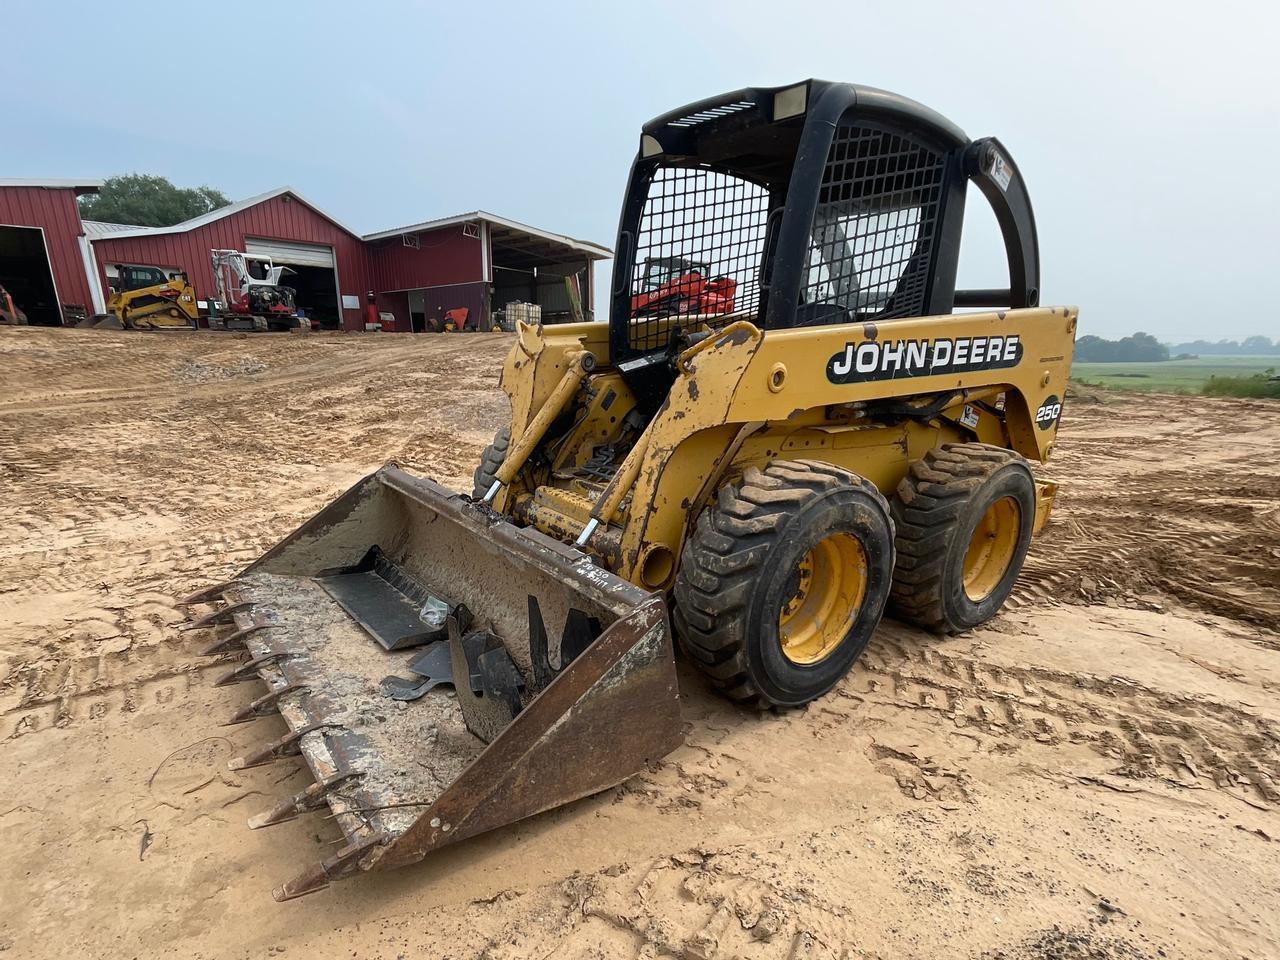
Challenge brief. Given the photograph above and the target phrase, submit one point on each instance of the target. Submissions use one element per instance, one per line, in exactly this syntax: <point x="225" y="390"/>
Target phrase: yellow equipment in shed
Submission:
<point x="143" y="298"/>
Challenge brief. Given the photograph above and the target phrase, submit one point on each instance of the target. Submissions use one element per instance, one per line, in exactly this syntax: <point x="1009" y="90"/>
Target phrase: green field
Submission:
<point x="1169" y="376"/>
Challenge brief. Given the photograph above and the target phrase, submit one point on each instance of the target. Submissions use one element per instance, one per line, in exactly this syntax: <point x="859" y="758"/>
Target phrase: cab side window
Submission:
<point x="135" y="278"/>
<point x="871" y="243"/>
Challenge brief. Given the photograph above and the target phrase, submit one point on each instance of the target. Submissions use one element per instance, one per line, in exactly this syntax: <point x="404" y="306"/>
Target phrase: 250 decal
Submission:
<point x="1049" y="412"/>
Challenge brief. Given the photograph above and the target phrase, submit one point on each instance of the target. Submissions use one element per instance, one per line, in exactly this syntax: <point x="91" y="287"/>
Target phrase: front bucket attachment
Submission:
<point x="350" y="598"/>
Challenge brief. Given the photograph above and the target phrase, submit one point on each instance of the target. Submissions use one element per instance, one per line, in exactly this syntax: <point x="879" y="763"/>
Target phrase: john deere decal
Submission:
<point x="900" y="359"/>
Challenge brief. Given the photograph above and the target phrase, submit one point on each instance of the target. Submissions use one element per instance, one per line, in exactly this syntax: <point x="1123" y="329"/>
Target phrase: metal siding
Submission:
<point x="436" y="300"/>
<point x="397" y="303"/>
<point x="552" y="295"/>
<point x="271" y="219"/>
<point x="444" y="256"/>
<point x="56" y="211"/>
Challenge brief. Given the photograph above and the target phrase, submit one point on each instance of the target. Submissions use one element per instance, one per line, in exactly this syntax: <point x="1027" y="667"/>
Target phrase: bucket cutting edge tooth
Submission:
<point x="208" y="594"/>
<point x="245" y="671"/>
<point x="221" y="646"/>
<point x="221" y="615"/>
<point x="312" y="798"/>
<point x="316" y="877"/>
<point x="288" y="745"/>
<point x="266" y="704"/>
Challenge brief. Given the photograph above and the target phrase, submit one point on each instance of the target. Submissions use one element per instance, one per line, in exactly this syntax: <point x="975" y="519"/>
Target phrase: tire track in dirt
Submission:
<point x="1150" y="507"/>
<point x="170" y="484"/>
<point x="144" y="378"/>
<point x="1150" y="732"/>
<point x="162" y="489"/>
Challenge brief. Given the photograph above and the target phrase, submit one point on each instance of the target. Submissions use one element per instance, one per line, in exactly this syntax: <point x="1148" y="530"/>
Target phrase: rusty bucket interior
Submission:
<point x="441" y="671"/>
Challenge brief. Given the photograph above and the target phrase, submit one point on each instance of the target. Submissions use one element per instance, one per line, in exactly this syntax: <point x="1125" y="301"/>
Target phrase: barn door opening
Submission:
<point x="314" y="277"/>
<point x="26" y="274"/>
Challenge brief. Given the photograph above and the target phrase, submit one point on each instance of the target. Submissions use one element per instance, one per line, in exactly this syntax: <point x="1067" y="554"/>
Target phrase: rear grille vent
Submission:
<point x="714" y="113"/>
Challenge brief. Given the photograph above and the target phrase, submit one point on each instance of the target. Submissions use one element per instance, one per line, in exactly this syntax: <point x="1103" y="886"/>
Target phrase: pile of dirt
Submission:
<point x="197" y="371"/>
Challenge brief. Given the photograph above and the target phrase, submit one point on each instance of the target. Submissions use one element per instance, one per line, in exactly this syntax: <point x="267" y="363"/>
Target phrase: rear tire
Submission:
<point x="964" y="514"/>
<point x="490" y="461"/>
<point x="783" y="581"/>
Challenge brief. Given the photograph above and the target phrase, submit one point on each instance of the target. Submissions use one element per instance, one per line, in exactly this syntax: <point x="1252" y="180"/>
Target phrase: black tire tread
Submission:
<point x="723" y="557"/>
<point x="927" y="502"/>
<point x="490" y="461"/>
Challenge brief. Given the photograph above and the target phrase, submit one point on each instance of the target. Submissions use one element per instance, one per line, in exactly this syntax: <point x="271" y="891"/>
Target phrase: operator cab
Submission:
<point x="814" y="204"/>
<point x="662" y="270"/>
<point x="137" y="278"/>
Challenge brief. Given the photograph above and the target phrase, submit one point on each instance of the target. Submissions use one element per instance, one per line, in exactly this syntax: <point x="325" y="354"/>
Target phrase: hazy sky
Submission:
<point x="1148" y="133"/>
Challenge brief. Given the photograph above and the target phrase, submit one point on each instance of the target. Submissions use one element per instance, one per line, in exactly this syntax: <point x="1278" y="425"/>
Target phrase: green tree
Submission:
<point x="1091" y="349"/>
<point x="1256" y="344"/>
<point x="1139" y="347"/>
<point x="149" y="201"/>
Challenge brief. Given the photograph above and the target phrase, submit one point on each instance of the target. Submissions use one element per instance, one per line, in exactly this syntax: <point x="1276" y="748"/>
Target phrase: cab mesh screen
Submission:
<point x="698" y="251"/>
<point x="872" y="244"/>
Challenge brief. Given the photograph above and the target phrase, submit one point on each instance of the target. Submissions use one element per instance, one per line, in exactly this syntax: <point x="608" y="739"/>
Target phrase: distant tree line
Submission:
<point x="1255" y="346"/>
<point x="1143" y="346"/>
<point x="1140" y="346"/>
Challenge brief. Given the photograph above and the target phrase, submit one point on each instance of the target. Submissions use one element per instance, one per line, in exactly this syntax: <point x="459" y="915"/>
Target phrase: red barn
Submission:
<point x="50" y="260"/>
<point x="45" y="259"/>
<point x="327" y="258"/>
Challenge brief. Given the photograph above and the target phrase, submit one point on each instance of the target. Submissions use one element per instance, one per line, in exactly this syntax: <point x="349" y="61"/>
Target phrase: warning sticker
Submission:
<point x="1001" y="172"/>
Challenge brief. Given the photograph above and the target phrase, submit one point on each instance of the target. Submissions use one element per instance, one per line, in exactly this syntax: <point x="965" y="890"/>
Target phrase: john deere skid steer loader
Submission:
<point x="792" y="433"/>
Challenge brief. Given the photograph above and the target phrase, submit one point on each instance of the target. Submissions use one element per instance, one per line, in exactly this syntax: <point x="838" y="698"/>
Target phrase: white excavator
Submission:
<point x="250" y="295"/>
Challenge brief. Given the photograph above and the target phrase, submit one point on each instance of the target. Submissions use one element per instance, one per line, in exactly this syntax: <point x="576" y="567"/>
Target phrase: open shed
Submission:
<point x="479" y="262"/>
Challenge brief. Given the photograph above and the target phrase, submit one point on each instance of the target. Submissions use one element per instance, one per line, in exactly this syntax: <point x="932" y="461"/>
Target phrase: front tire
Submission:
<point x="964" y="514"/>
<point x="783" y="581"/>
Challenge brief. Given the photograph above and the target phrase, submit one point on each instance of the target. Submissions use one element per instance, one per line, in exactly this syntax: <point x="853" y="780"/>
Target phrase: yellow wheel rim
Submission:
<point x="831" y="585"/>
<point x="991" y="548"/>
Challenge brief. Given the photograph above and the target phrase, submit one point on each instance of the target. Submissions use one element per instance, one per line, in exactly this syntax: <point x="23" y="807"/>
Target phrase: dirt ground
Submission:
<point x="1094" y="774"/>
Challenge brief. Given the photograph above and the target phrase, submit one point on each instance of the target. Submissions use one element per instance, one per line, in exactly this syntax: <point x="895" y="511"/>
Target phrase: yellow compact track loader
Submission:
<point x="143" y="298"/>
<point x="782" y="433"/>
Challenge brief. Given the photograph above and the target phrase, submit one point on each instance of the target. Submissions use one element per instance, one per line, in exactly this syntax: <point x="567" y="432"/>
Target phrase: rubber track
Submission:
<point x="722" y="561"/>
